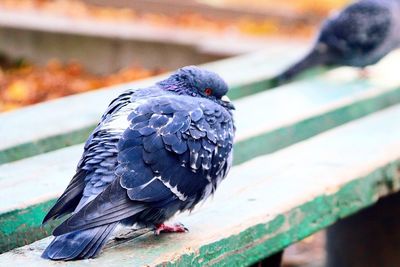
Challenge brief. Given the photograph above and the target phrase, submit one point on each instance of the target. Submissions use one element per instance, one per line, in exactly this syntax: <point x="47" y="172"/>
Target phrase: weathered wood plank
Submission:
<point x="209" y="10"/>
<point x="68" y="121"/>
<point x="29" y="20"/>
<point x="285" y="197"/>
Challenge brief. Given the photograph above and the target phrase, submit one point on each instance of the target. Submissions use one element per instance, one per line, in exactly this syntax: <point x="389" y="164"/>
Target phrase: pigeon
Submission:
<point x="156" y="151"/>
<point x="360" y="35"/>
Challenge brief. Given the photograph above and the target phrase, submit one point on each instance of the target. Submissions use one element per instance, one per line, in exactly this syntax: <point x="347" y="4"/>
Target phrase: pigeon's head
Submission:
<point x="198" y="82"/>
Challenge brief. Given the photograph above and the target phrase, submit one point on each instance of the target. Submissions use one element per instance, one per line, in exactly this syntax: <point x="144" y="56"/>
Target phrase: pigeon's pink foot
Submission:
<point x="174" y="228"/>
<point x="364" y="73"/>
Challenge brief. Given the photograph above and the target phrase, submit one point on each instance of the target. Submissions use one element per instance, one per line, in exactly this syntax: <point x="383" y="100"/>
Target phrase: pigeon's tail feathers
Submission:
<point x="81" y="244"/>
<point x="69" y="199"/>
<point x="313" y="59"/>
<point x="111" y="205"/>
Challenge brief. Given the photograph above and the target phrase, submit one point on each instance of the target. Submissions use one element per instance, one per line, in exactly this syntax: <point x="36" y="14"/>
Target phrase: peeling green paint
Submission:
<point x="248" y="89"/>
<point x="11" y="221"/>
<point x="51" y="143"/>
<point x="280" y="138"/>
<point x="21" y="227"/>
<point x="263" y="240"/>
<point x="44" y="145"/>
<point x="341" y="181"/>
<point x="257" y="86"/>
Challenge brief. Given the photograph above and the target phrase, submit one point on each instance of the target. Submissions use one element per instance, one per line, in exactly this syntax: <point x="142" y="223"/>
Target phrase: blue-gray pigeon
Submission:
<point x="157" y="151"/>
<point x="360" y="35"/>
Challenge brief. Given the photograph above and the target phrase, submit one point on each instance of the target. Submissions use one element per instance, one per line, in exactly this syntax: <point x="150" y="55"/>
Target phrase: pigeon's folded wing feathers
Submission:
<point x="175" y="149"/>
<point x="95" y="170"/>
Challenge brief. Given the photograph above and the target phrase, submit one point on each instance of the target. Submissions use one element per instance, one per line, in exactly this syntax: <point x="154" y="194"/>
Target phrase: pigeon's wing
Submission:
<point x="122" y="100"/>
<point x="185" y="147"/>
<point x="357" y="30"/>
<point x="176" y="150"/>
<point x="95" y="171"/>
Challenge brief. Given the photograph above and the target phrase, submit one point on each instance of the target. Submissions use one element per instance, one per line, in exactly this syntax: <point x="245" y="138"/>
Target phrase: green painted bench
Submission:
<point x="270" y="219"/>
<point x="278" y="199"/>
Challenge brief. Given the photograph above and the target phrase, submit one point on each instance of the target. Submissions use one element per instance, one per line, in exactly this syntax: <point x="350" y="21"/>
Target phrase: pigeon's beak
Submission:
<point x="226" y="102"/>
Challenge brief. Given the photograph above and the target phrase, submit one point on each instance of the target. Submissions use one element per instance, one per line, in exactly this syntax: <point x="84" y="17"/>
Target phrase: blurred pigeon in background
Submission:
<point x="156" y="151"/>
<point x="360" y="35"/>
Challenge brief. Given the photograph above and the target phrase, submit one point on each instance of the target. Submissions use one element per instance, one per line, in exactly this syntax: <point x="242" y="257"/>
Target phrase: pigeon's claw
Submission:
<point x="174" y="228"/>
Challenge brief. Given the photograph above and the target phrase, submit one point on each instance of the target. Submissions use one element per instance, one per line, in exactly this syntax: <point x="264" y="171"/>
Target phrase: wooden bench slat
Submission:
<point x="145" y="32"/>
<point x="44" y="37"/>
<point x="211" y="11"/>
<point x="34" y="180"/>
<point x="269" y="202"/>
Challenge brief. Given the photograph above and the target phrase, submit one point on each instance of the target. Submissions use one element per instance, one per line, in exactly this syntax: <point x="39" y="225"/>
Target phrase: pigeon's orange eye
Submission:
<point x="208" y="91"/>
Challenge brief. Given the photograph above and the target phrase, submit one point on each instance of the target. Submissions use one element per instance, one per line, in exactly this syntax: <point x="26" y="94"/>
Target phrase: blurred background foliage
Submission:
<point x="24" y="83"/>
